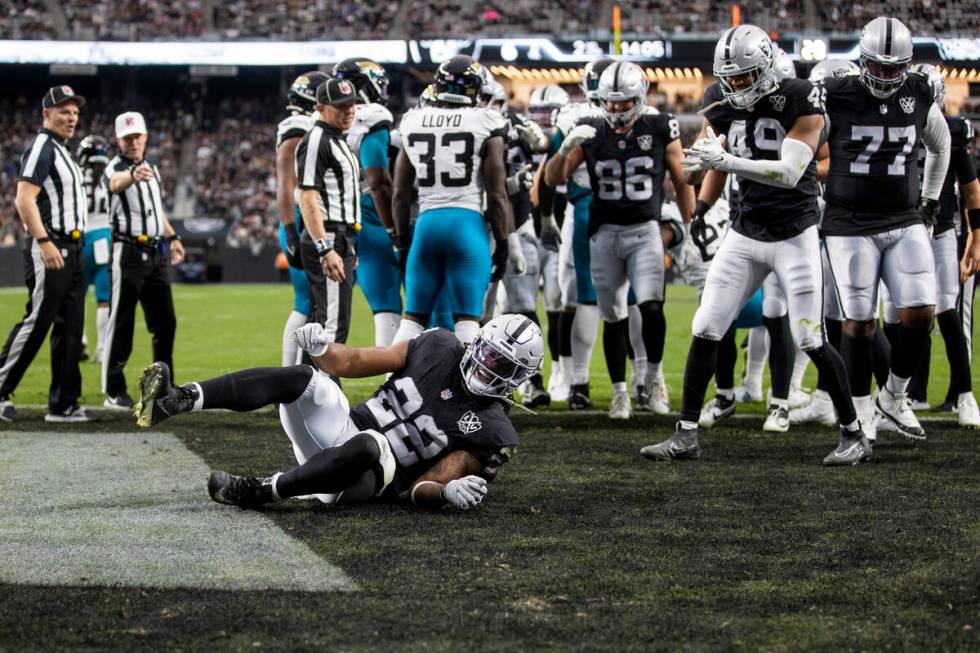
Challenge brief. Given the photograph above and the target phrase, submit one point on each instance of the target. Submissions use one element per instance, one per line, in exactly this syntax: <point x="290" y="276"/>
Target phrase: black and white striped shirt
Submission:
<point x="325" y="163"/>
<point x="138" y="210"/>
<point x="62" y="202"/>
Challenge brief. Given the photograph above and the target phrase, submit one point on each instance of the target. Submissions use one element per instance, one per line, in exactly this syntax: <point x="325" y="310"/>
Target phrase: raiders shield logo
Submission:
<point x="469" y="423"/>
<point x="778" y="102"/>
<point x="645" y="141"/>
<point x="907" y="104"/>
<point x="883" y="108"/>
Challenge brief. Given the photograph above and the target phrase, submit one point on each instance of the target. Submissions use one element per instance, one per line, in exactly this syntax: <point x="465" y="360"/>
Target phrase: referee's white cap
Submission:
<point x="131" y="122"/>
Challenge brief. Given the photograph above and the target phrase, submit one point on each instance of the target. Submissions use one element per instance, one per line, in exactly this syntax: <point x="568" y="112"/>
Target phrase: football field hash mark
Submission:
<point x="131" y="509"/>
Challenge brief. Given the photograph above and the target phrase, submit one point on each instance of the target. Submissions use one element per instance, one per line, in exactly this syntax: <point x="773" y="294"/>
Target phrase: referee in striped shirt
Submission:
<point x="51" y="203"/>
<point x="138" y="269"/>
<point x="328" y="178"/>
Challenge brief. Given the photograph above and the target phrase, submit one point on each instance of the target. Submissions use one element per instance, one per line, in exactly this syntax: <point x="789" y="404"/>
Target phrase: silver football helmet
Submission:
<point x="745" y="50"/>
<point x="621" y="82"/>
<point x="833" y="68"/>
<point x="784" y="67"/>
<point x="544" y="102"/>
<point x="494" y="96"/>
<point x="936" y="81"/>
<point x="506" y="352"/>
<point x="886" y="50"/>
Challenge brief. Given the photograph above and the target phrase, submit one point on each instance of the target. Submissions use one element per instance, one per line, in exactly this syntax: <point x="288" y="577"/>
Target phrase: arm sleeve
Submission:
<point x="35" y="164"/>
<point x="962" y="163"/>
<point x="374" y="149"/>
<point x="311" y="161"/>
<point x="935" y="137"/>
<point x="785" y="172"/>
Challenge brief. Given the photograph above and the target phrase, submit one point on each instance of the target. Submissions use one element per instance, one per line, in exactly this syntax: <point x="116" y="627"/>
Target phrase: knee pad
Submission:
<point x="773" y="307"/>
<point x="704" y="327"/>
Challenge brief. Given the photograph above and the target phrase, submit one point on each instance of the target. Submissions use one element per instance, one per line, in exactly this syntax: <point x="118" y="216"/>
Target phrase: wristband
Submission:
<point x="322" y="247"/>
<point x="171" y="239"/>
<point x="42" y="240"/>
<point x="973" y="217"/>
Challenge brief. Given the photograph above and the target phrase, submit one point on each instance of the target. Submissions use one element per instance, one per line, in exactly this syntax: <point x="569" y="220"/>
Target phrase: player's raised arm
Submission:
<point x="349" y="362"/>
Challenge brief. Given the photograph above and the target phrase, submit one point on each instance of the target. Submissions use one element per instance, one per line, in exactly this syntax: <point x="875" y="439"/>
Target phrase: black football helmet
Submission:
<point x="590" y="77"/>
<point x="302" y="94"/>
<point x="368" y="77"/>
<point x="93" y="150"/>
<point x="458" y="81"/>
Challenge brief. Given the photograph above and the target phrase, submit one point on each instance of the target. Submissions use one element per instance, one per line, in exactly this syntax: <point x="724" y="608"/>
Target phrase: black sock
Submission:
<point x="781" y="354"/>
<point x="881" y="357"/>
<point x="727" y="357"/>
<point x="553" y="336"/>
<point x="907" y="348"/>
<point x="565" y="320"/>
<point x="891" y="332"/>
<point x="654" y="330"/>
<point x="918" y="389"/>
<point x="856" y="353"/>
<point x="615" y="335"/>
<point x="830" y="366"/>
<point x="833" y="328"/>
<point x="333" y="470"/>
<point x="956" y="352"/>
<point x="256" y="387"/>
<point x="702" y="359"/>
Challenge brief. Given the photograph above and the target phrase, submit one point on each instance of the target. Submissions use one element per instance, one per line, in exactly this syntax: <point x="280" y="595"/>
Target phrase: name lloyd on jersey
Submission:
<point x="442" y="120"/>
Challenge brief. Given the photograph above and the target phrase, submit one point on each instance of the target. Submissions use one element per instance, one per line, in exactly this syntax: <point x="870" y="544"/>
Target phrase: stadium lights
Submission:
<point x="574" y="75"/>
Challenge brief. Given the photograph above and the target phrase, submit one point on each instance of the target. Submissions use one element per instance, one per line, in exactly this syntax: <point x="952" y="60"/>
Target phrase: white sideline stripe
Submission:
<point x="131" y="509"/>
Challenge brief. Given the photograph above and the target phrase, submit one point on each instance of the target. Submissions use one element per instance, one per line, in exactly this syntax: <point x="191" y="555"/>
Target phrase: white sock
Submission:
<point x="964" y="396"/>
<point x="585" y="330"/>
<point x="726" y="393"/>
<point x="862" y="405"/>
<point x="466" y="331"/>
<point x="800" y="364"/>
<point x="896" y="384"/>
<point x="655" y="371"/>
<point x="779" y="403"/>
<point x="385" y="327"/>
<point x="407" y="330"/>
<point x="275" y="486"/>
<point x="101" y="324"/>
<point x="565" y="363"/>
<point x="619" y="388"/>
<point x="290" y="350"/>
<point x="688" y="426"/>
<point x="755" y="359"/>
<point x="199" y="402"/>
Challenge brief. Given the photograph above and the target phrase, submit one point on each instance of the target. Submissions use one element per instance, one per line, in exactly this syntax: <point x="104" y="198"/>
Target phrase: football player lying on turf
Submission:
<point x="434" y="433"/>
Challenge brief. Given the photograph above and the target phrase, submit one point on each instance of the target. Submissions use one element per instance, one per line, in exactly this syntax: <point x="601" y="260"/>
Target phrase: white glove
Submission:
<point x="550" y="233"/>
<point x="466" y="492"/>
<point x="576" y="137"/>
<point x="708" y="154"/>
<point x="515" y="253"/>
<point x="312" y="338"/>
<point x="520" y="180"/>
<point x="532" y="135"/>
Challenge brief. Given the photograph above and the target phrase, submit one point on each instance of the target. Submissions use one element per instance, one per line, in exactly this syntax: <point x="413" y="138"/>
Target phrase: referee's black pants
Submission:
<point x="331" y="299"/>
<point x="138" y="274"/>
<point x="57" y="302"/>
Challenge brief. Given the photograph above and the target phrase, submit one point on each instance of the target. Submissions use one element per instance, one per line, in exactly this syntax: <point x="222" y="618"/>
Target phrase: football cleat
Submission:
<point x="642" y="397"/>
<point x="159" y="399"/>
<point x="945" y="407"/>
<point x="558" y="383"/>
<point x="966" y="405"/>
<point x="73" y="415"/>
<point x="716" y="410"/>
<point x="798" y="397"/>
<point x="578" y="398"/>
<point x="777" y="421"/>
<point x="619" y="407"/>
<point x="682" y="445"/>
<point x="241" y="491"/>
<point x="745" y="393"/>
<point x="852" y="449"/>
<point x="535" y="395"/>
<point x="7" y="411"/>
<point x="121" y="401"/>
<point x="896" y="409"/>
<point x="820" y="410"/>
<point x="659" y="396"/>
<point x="919" y="404"/>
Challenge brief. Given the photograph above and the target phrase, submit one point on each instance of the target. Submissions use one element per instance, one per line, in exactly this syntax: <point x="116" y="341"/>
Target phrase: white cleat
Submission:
<point x="659" y="395"/>
<point x="716" y="410"/>
<point x="798" y="397"/>
<point x="966" y="406"/>
<point x="820" y="410"/>
<point x="896" y="409"/>
<point x="745" y="393"/>
<point x="620" y="407"/>
<point x="558" y="384"/>
<point x="777" y="421"/>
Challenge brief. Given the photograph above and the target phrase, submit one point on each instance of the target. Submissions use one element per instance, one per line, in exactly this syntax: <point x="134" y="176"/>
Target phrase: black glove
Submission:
<point x="499" y="261"/>
<point x="699" y="229"/>
<point x="293" y="256"/>
<point x="929" y="208"/>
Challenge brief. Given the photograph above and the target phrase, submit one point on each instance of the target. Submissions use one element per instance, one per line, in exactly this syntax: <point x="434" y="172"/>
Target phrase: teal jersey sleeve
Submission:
<point x="556" y="140"/>
<point x="374" y="149"/>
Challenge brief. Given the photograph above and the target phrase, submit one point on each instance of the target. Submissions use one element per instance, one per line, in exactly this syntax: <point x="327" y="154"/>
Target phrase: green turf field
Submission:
<point x="108" y="540"/>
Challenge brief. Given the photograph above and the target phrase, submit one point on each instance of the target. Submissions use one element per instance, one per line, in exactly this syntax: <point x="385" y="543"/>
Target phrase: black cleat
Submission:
<point x="241" y="491"/>
<point x="536" y="396"/>
<point x="159" y="399"/>
<point x="945" y="407"/>
<point x="578" y="398"/>
<point x="682" y="445"/>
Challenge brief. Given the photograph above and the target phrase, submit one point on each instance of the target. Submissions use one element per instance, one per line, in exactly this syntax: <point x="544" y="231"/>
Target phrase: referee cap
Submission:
<point x="57" y="95"/>
<point x="130" y="122"/>
<point x="336" y="91"/>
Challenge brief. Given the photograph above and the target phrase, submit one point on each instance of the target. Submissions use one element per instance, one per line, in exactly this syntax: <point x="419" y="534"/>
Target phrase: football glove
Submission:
<point x="466" y="492"/>
<point x="516" y="254"/>
<point x="292" y="251"/>
<point x="312" y="338"/>
<point x="520" y="180"/>
<point x="699" y="229"/>
<point x="532" y="136"/>
<point x="929" y="208"/>
<point x="550" y="233"/>
<point x="498" y="261"/>
<point x="576" y="137"/>
<point x="707" y="154"/>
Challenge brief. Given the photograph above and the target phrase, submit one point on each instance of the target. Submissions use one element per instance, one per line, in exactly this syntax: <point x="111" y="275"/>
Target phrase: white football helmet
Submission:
<point x="544" y="102"/>
<point x="506" y="352"/>
<point x="622" y="81"/>
<point x="494" y="96"/>
<point x="745" y="50"/>
<point x="886" y="50"/>
<point x="833" y="68"/>
<point x="936" y="81"/>
<point x="784" y="67"/>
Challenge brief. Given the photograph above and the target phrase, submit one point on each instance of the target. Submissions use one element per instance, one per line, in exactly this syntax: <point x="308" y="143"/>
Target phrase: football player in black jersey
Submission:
<point x="434" y="433"/>
<point x="773" y="130"/>
<point x="876" y="223"/>
<point x="627" y="153"/>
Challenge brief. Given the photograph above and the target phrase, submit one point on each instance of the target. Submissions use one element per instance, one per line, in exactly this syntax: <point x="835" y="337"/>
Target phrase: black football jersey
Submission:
<point x="760" y="211"/>
<point x="425" y="412"/>
<point x="873" y="184"/>
<point x="518" y="155"/>
<point x="626" y="171"/>
<point x="961" y="169"/>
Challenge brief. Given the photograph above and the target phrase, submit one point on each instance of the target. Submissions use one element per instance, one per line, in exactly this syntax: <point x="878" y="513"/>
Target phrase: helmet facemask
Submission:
<point x="490" y="371"/>
<point x="882" y="79"/>
<point x="621" y="119"/>
<point x="762" y="81"/>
